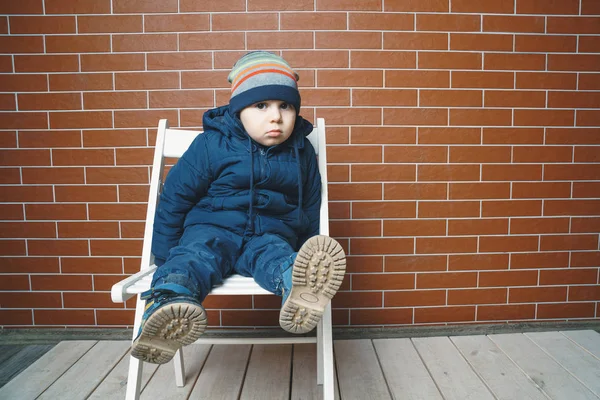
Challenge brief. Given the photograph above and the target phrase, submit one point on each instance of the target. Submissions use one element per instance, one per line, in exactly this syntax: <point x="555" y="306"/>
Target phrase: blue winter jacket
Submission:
<point x="228" y="180"/>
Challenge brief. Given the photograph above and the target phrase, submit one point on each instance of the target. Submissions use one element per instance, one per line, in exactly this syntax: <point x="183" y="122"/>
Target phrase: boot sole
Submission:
<point x="317" y="274"/>
<point x="167" y="329"/>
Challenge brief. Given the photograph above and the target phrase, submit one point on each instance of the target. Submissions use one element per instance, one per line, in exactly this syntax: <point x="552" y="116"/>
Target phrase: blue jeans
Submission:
<point x="206" y="255"/>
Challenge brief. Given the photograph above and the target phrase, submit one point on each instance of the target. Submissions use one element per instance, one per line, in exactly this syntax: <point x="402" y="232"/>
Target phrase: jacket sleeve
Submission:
<point x="187" y="182"/>
<point x="311" y="202"/>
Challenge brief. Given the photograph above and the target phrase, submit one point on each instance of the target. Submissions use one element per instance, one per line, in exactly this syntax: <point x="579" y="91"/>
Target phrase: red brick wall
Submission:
<point x="464" y="144"/>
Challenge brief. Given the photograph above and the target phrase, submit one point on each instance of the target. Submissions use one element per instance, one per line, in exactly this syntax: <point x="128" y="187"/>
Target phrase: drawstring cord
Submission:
<point x="299" y="170"/>
<point x="251" y="226"/>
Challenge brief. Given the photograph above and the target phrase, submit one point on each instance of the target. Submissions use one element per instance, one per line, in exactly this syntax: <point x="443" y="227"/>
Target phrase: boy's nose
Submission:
<point x="275" y="112"/>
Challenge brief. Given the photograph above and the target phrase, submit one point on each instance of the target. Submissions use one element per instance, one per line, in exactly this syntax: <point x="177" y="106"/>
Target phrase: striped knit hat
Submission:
<point x="259" y="76"/>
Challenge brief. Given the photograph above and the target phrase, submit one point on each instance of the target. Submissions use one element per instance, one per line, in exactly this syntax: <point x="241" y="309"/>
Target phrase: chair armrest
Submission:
<point x="129" y="287"/>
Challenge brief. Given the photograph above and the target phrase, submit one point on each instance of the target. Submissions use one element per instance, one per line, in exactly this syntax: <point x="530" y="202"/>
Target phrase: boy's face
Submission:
<point x="269" y="122"/>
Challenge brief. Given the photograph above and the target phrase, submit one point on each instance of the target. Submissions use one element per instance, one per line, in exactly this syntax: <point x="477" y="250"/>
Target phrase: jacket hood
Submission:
<point x="219" y="119"/>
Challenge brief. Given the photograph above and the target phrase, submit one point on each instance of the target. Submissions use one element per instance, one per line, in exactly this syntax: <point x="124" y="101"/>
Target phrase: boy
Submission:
<point x="241" y="199"/>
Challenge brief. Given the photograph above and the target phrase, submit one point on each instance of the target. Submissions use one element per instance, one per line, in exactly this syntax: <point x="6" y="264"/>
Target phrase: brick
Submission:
<point x="181" y="99"/>
<point x="292" y="40"/>
<point x="303" y="59"/>
<point x="387" y="209"/>
<point x="133" y="193"/>
<point x="571" y="172"/>
<point x="144" y="6"/>
<point x="91" y="265"/>
<point x="569" y="242"/>
<point x="143" y="118"/>
<point x="417" y="5"/>
<point x="8" y="102"/>
<point x="513" y="99"/>
<point x="364" y="264"/>
<point x="355" y="300"/>
<point x="574" y="62"/>
<point x="377" y="281"/>
<point x="55" y="211"/>
<point x="73" y="157"/>
<point x="486" y="79"/>
<point x="61" y="282"/>
<point x="351" y="116"/>
<point x="481" y="42"/>
<point x="88" y="229"/>
<point x="587" y="154"/>
<point x="117" y="211"/>
<point x="539" y="260"/>
<point x="57" y="247"/>
<point x="418" y="263"/>
<point x="357" y="154"/>
<point x="585" y="259"/>
<point x="584" y="293"/>
<point x="11" y="212"/>
<point x="326" y="97"/>
<point x="96" y="193"/>
<point x="78" y="44"/>
<point x="568" y="276"/>
<point x="448" y="209"/>
<point x="355" y="228"/>
<point x="414" y="191"/>
<point x="88" y="300"/>
<point x="77" y="6"/>
<point x="80" y="82"/>
<point x="381" y="59"/>
<point x="485" y="117"/>
<point x="516" y="172"/>
<point x="8" y="139"/>
<point x="433" y="227"/>
<point x="366" y="173"/>
<point x="567" y="311"/>
<point x="477" y="296"/>
<point x="573" y="25"/>
<point x="480" y="154"/>
<point x="511" y="208"/>
<point x="350" y="78"/>
<point x="18" y="157"/>
<point x="114" y="138"/>
<point x="17" y="120"/>
<point x="506" y="312"/>
<point x="121" y="247"/>
<point x="507" y="278"/>
<point x="590" y="7"/>
<point x="586" y="189"/>
<point x="381" y="135"/>
<point x="415" y="116"/>
<point x="23" y="7"/>
<point x="13" y="248"/>
<point x="448" y="22"/>
<point x="510" y="24"/>
<point x="381" y="316"/>
<point x="204" y="79"/>
<point x="542" y="154"/>
<point x="588" y="44"/>
<point x="572" y="207"/>
<point x="445" y="245"/>
<point x="448" y="173"/>
<point x="544" y="80"/>
<point x="41" y="24"/>
<point x="114" y="100"/>
<point x="22" y="194"/>
<point x="64" y="317"/>
<point x="16" y="317"/>
<point x="6" y="63"/>
<point x="585" y="225"/>
<point x="478" y="226"/>
<point x="135" y="156"/>
<point x="178" y="61"/>
<point x="49" y="101"/>
<point x="477" y="191"/>
<point x="384" y="97"/>
<point x="418" y="79"/>
<point x="133" y="230"/>
<point x="444" y="314"/>
<point x="415" y="154"/>
<point x="225" y="40"/>
<point x="415" y="298"/>
<point x="46" y="63"/>
<point x="349" y="5"/>
<point x="415" y="41"/>
<point x="587" y="118"/>
<point x="489" y="244"/>
<point x="373" y="246"/>
<point x="110" y="24"/>
<point x="450" y="98"/>
<point x="114" y="175"/>
<point x="212" y="5"/>
<point x="27" y="230"/>
<point x="245" y="22"/>
<point x="112" y="62"/>
<point x="474" y="6"/>
<point x="21" y="44"/>
<point x="539" y="225"/>
<point x="547" y="7"/>
<point x="537" y="294"/>
<point x="477" y="262"/>
<point x="30" y="300"/>
<point x="445" y="280"/>
<point x="81" y="119"/>
<point x="377" y="22"/>
<point x="144" y="42"/>
<point x="10" y="176"/>
<point x="444" y="135"/>
<point x="115" y="317"/>
<point x="512" y="62"/>
<point x="545" y="44"/>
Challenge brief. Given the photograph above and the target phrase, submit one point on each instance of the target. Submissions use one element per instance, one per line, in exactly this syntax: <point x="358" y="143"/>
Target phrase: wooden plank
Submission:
<point x="451" y="372"/>
<point x="268" y="374"/>
<point x="554" y="380"/>
<point x="18" y="362"/>
<point x="500" y="374"/>
<point x="114" y="386"/>
<point x="30" y="383"/>
<point x="359" y="374"/>
<point x="162" y="385"/>
<point x="584" y="366"/>
<point x="589" y="340"/>
<point x="304" y="374"/>
<point x="223" y="374"/>
<point x="87" y="373"/>
<point x="404" y="371"/>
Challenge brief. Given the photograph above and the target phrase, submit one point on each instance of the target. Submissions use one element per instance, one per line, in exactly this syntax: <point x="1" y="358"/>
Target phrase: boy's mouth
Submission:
<point x="274" y="133"/>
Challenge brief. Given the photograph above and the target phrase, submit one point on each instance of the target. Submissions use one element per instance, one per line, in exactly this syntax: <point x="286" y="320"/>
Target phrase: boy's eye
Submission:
<point x="261" y="106"/>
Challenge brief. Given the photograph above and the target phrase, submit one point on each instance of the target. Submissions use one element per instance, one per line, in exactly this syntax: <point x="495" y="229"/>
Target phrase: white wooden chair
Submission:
<point x="173" y="143"/>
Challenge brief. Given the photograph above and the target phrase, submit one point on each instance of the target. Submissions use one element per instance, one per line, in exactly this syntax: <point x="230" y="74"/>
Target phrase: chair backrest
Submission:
<point x="172" y="143"/>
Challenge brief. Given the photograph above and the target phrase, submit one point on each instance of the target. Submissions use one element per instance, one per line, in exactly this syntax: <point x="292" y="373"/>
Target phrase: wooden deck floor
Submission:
<point x="540" y="365"/>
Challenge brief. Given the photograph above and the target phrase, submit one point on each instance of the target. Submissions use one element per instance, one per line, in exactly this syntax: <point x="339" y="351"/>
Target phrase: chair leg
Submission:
<point x="134" y="379"/>
<point x="325" y="374"/>
<point x="179" y="368"/>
